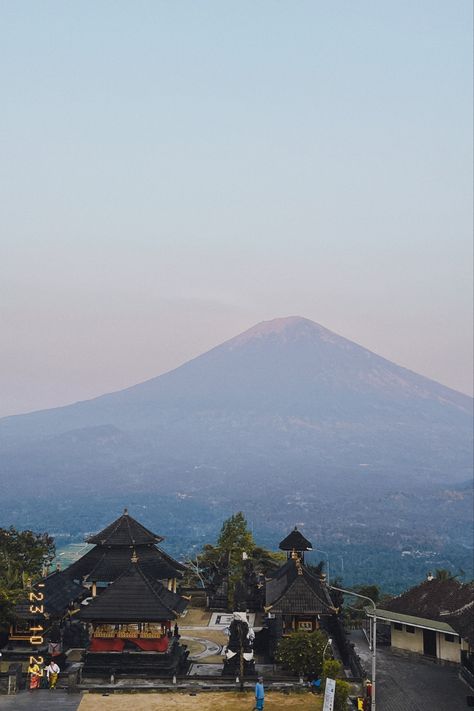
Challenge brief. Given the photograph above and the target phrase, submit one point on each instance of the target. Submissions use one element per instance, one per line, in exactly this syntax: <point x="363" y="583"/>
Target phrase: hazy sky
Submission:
<point x="173" y="172"/>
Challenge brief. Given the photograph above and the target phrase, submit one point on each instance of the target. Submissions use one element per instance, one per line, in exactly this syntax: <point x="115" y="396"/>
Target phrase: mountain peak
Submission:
<point x="286" y="327"/>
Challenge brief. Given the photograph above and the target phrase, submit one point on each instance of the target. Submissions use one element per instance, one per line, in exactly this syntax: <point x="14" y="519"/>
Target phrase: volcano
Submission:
<point x="287" y="398"/>
<point x="289" y="423"/>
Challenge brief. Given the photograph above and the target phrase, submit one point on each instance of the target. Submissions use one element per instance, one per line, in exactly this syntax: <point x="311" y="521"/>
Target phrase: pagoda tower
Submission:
<point x="296" y="599"/>
<point x="113" y="549"/>
<point x="295" y="543"/>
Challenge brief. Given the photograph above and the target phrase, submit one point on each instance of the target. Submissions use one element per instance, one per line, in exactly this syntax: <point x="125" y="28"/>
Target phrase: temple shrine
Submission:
<point x="132" y="616"/>
<point x="296" y="599"/>
<point x="118" y="602"/>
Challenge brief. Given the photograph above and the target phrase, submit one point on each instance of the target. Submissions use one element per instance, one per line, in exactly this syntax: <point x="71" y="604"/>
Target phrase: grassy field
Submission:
<point x="224" y="701"/>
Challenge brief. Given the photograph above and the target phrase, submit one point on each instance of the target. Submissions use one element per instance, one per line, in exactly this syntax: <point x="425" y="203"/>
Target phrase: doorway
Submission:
<point x="429" y="643"/>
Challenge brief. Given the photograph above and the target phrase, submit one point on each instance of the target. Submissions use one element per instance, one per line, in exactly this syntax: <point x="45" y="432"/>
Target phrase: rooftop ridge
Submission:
<point x="135" y="533"/>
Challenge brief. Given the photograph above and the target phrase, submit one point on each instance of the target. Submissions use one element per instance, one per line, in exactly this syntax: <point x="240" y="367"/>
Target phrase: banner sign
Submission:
<point x="329" y="695"/>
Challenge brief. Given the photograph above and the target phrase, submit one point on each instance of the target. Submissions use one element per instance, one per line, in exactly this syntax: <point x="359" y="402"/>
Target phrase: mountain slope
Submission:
<point x="286" y="395"/>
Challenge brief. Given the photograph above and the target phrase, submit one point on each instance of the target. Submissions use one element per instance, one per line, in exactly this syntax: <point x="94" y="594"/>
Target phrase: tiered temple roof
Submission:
<point x="102" y="564"/>
<point x="125" y="531"/>
<point x="292" y="589"/>
<point x="112" y="552"/>
<point x="295" y="541"/>
<point x="134" y="597"/>
<point x="59" y="592"/>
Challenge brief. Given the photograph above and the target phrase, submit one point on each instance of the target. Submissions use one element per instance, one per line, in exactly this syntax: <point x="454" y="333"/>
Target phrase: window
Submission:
<point x="410" y="629"/>
<point x="449" y="638"/>
<point x="397" y="626"/>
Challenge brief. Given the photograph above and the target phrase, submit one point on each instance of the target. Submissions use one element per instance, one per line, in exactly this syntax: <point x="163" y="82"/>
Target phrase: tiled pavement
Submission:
<point x="407" y="685"/>
<point x="403" y="685"/>
<point x="40" y="700"/>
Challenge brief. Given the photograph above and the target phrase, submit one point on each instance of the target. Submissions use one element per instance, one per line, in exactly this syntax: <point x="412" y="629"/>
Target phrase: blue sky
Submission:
<point x="173" y="172"/>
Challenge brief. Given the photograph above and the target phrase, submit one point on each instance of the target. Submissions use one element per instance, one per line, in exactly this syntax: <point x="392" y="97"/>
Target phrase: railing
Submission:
<point x="467" y="661"/>
<point x="467" y="668"/>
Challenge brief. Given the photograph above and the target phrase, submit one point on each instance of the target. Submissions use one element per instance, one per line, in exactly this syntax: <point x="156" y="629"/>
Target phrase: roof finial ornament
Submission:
<point x="125" y="512"/>
<point x="134" y="558"/>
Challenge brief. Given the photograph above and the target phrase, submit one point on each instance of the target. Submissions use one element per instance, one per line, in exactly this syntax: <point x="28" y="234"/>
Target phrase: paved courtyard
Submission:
<point x="41" y="700"/>
<point x="406" y="685"/>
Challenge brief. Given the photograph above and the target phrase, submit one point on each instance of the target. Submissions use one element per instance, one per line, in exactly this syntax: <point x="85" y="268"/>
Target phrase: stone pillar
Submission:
<point x="14" y="678"/>
<point x="74" y="674"/>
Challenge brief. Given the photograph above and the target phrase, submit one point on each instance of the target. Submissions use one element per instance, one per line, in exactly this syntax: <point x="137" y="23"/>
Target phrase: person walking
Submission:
<point x="52" y="672"/>
<point x="259" y="694"/>
<point x="35" y="672"/>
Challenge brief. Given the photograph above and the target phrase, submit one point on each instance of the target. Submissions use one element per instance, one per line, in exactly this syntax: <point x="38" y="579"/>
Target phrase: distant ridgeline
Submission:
<point x="187" y="526"/>
<point x="287" y="422"/>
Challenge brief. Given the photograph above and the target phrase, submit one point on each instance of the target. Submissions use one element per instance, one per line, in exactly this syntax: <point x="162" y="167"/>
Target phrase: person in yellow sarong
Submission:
<point x="35" y="672"/>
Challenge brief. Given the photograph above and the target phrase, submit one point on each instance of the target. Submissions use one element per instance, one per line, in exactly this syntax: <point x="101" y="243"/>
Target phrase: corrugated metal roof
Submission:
<point x="389" y="616"/>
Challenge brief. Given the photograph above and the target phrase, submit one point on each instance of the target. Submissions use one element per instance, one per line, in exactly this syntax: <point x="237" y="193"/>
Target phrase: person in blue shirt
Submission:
<point x="259" y="694"/>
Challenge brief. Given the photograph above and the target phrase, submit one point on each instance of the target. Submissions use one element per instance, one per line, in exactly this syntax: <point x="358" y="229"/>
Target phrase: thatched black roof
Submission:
<point x="115" y="546"/>
<point x="295" y="541"/>
<point x="59" y="592"/>
<point x="134" y="597"/>
<point x="125" y="531"/>
<point x="294" y="590"/>
<point x="102" y="564"/>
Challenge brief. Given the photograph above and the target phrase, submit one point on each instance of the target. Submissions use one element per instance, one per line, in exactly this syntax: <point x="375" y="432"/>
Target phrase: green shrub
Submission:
<point x="341" y="695"/>
<point x="302" y="652"/>
<point x="332" y="669"/>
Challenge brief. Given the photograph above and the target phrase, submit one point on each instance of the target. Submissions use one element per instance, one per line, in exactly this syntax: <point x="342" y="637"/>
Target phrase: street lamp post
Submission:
<point x="328" y="644"/>
<point x="374" y="637"/>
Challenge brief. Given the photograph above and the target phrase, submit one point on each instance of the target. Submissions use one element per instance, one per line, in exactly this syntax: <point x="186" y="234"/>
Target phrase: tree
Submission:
<point x="234" y="551"/>
<point x="354" y="608"/>
<point x="264" y="561"/>
<point x="23" y="556"/>
<point x="235" y="538"/>
<point x="372" y="591"/>
<point x="302" y="652"/>
<point x="234" y="541"/>
<point x="444" y="574"/>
